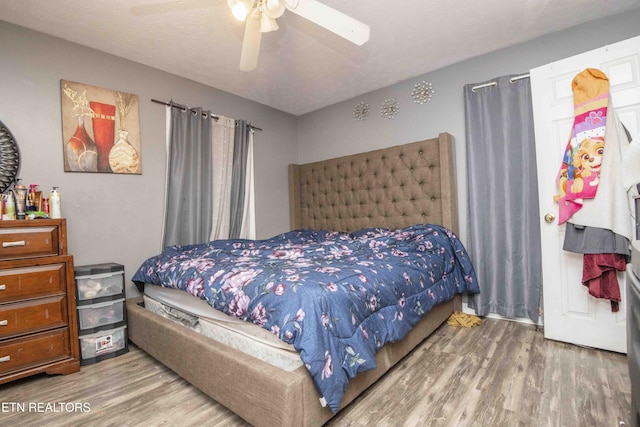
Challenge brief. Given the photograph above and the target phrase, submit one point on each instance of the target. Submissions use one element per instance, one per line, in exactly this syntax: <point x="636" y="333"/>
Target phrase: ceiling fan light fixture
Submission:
<point x="267" y="23"/>
<point x="274" y="8"/>
<point x="239" y="8"/>
<point x="261" y="15"/>
<point x="239" y="11"/>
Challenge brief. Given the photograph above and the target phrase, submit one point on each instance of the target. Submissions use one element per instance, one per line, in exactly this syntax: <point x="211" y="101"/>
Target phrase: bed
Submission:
<point x="392" y="188"/>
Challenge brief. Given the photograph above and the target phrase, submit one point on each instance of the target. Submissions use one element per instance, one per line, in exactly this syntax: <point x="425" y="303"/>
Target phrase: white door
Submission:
<point x="570" y="313"/>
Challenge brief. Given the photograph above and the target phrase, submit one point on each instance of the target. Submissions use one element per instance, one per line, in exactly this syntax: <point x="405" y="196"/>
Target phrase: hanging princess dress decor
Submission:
<point x="595" y="190"/>
<point x="580" y="171"/>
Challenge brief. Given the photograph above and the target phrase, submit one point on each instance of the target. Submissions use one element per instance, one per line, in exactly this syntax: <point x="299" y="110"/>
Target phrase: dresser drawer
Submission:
<point x="32" y="282"/>
<point x="34" y="350"/>
<point x="28" y="242"/>
<point x="38" y="317"/>
<point x="32" y="316"/>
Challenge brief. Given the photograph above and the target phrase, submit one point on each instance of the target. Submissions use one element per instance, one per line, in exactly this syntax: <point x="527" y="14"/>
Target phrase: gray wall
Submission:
<point x="118" y="218"/>
<point x="110" y="217"/>
<point x="332" y="131"/>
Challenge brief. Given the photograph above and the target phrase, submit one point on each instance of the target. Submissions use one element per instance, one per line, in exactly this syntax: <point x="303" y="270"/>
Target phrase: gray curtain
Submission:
<point x="239" y="177"/>
<point x="188" y="212"/>
<point x="503" y="216"/>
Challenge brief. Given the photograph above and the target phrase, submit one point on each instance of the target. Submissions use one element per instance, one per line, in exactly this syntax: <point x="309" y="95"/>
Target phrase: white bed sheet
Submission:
<point x="195" y="313"/>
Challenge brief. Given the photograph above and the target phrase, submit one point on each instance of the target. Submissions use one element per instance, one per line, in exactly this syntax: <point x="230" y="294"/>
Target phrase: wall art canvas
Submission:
<point x="100" y="130"/>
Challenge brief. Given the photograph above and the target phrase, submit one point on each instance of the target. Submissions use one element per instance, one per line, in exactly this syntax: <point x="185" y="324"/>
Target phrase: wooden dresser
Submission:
<point x="38" y="319"/>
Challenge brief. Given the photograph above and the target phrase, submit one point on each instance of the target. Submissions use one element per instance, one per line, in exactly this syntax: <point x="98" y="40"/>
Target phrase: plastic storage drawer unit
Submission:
<point x="101" y="316"/>
<point x="103" y="345"/>
<point x="99" y="282"/>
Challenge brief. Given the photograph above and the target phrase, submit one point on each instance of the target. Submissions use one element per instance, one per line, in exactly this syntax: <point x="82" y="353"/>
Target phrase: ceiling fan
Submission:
<point x="261" y="15"/>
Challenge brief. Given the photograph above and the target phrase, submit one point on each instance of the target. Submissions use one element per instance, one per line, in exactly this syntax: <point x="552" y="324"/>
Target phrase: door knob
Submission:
<point x="549" y="218"/>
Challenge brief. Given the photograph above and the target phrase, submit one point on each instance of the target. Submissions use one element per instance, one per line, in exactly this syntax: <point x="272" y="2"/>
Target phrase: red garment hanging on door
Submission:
<point x="599" y="273"/>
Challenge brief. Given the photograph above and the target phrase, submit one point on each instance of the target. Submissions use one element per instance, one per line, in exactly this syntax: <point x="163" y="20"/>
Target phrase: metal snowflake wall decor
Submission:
<point x="389" y="108"/>
<point x="422" y="92"/>
<point x="361" y="112"/>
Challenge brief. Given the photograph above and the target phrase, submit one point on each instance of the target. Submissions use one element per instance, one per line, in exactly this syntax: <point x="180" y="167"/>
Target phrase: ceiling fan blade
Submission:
<point x="331" y="19"/>
<point x="250" y="45"/>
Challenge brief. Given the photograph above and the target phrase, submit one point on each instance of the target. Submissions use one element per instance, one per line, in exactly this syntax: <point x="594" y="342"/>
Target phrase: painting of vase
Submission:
<point x="104" y="125"/>
<point x="94" y="121"/>
<point x="80" y="151"/>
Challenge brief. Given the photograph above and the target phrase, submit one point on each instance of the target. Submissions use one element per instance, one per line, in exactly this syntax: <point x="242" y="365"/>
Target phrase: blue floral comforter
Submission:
<point x="336" y="297"/>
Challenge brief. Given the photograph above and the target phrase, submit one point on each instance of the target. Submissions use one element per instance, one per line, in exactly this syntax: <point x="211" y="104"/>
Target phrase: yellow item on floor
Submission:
<point x="464" y="320"/>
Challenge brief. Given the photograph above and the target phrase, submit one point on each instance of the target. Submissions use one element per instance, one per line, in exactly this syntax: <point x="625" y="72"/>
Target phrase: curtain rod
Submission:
<point x="512" y="80"/>
<point x="203" y="114"/>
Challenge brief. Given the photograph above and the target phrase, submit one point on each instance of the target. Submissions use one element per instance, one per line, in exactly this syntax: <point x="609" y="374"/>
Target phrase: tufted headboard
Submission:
<point x="393" y="187"/>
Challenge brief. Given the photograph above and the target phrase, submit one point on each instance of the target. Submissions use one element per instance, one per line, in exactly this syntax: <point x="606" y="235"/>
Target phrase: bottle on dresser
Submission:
<point x="55" y="203"/>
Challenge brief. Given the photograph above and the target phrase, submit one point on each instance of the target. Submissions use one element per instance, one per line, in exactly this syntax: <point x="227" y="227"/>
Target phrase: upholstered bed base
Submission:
<point x="262" y="394"/>
<point x="393" y="187"/>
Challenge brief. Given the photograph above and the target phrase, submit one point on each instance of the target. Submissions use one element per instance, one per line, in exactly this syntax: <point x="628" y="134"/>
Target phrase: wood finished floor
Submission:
<point x="499" y="374"/>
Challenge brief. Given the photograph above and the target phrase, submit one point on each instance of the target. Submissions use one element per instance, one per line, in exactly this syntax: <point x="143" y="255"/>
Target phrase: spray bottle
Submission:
<point x="9" y="206"/>
<point x="55" y="204"/>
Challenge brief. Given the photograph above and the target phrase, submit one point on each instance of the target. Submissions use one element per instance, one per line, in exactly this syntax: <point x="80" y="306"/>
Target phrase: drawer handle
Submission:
<point x="5" y="359"/>
<point x="12" y="244"/>
<point x="3" y="287"/>
<point x="4" y="322"/>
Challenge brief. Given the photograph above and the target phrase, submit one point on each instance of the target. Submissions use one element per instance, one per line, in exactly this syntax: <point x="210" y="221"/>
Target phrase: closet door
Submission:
<point x="570" y="313"/>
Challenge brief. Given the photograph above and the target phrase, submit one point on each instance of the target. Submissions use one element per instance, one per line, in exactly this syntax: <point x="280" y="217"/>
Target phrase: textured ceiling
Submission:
<point x="303" y="67"/>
